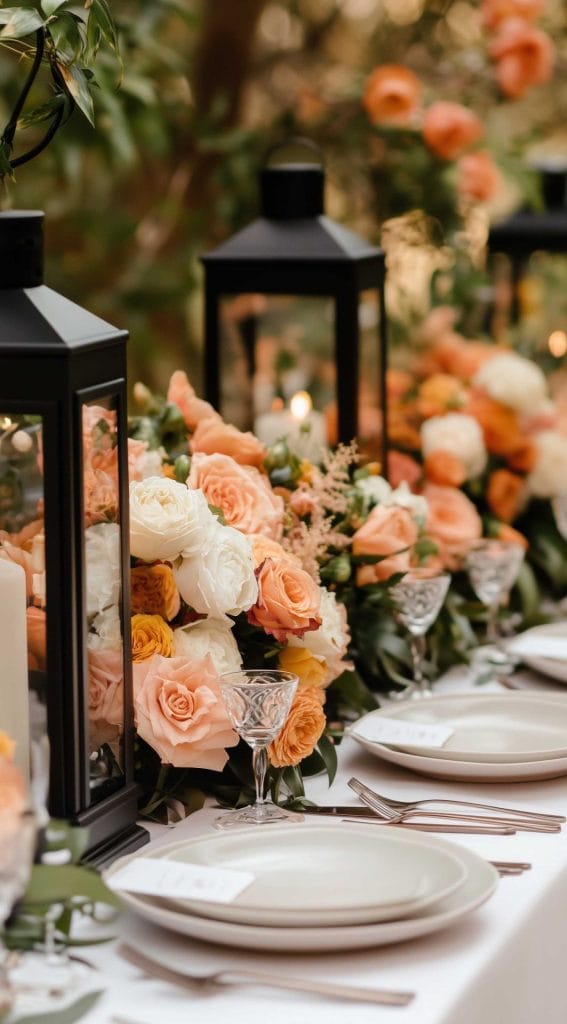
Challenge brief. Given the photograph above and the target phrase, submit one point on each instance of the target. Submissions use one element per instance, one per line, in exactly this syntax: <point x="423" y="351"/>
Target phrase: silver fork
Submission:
<point x="154" y="969"/>
<point x="412" y="805"/>
<point x="402" y="818"/>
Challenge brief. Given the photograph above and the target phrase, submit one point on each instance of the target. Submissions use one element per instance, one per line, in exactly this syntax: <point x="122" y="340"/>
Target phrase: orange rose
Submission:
<point x="154" y="591"/>
<point x="523" y="457"/>
<point x="213" y="435"/>
<point x="478" y="176"/>
<point x="12" y="788"/>
<point x="524" y="56"/>
<point x="7" y="746"/>
<point x="35" y="623"/>
<point x="304" y="727"/>
<point x="453" y="522"/>
<point x="398" y="383"/>
<point x="512" y="536"/>
<point x="311" y="671"/>
<point x="150" y="635"/>
<point x="242" y="493"/>
<point x="401" y="430"/>
<point x="501" y="428"/>
<point x="439" y="394"/>
<point x="193" y="409"/>
<point x="391" y="94"/>
<point x="444" y="468"/>
<point x="449" y="129"/>
<point x="388" y="531"/>
<point x="495" y="11"/>
<point x="403" y="469"/>
<point x="504" y="494"/>
<point x="288" y="600"/>
<point x="458" y="356"/>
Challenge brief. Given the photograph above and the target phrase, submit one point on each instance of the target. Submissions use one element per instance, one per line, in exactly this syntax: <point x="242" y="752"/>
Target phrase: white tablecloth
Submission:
<point x="504" y="964"/>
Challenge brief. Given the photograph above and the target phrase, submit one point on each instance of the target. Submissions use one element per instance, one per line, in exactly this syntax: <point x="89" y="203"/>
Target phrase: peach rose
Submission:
<point x="524" y="455"/>
<point x="288" y="600"/>
<point x="439" y="394"/>
<point x="398" y="383"/>
<point x="12" y="788"/>
<point x="478" y="177"/>
<point x="150" y="635"/>
<point x="106" y="695"/>
<point x="263" y="547"/>
<point x="444" y="468"/>
<point x="524" y="56"/>
<point x="512" y="536"/>
<point x="310" y="670"/>
<point x="35" y="624"/>
<point x="303" y="729"/>
<point x="504" y="494"/>
<point x="391" y="94"/>
<point x="500" y="424"/>
<point x="303" y="501"/>
<point x="403" y="469"/>
<point x="100" y="497"/>
<point x="193" y="409"/>
<point x="389" y="531"/>
<point x="453" y="522"/>
<point x="242" y="493"/>
<point x="449" y="129"/>
<point x="180" y="712"/>
<point x="154" y="591"/>
<point x="213" y="435"/>
<point x="495" y="11"/>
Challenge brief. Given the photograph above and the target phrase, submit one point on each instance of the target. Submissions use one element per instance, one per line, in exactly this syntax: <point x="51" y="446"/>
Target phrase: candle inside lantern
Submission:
<point x="14" y="693"/>
<point x="301" y="426"/>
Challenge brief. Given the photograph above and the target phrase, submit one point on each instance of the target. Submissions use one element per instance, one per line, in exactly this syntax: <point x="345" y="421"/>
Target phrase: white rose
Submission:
<point x="374" y="490"/>
<point x="148" y="464"/>
<point x="515" y="381"/>
<point x="106" y="631"/>
<point x="549" y="475"/>
<point x="220" y="580"/>
<point x="330" y="641"/>
<point x="104" y="575"/>
<point x="166" y="518"/>
<point x="403" y="497"/>
<point x="459" y="434"/>
<point x="209" y="636"/>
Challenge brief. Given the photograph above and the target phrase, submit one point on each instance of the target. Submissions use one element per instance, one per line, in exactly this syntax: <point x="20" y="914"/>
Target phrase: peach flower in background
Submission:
<point x="449" y="129"/>
<point x="304" y="726"/>
<point x="311" y="671"/>
<point x="453" y="522"/>
<point x="389" y="531"/>
<point x="150" y="635"/>
<point x="505" y="494"/>
<point x="154" y="591"/>
<point x="499" y="423"/>
<point x="193" y="409"/>
<point x="524" y="56"/>
<point x="478" y="177"/>
<point x="213" y="435"/>
<point x="403" y="469"/>
<point x="523" y="456"/>
<point x="445" y="468"/>
<point x="288" y="600"/>
<point x="180" y="712"/>
<point x="398" y="383"/>
<point x="391" y="94"/>
<point x="264" y="547"/>
<point x="100" y="497"/>
<point x="242" y="493"/>
<point x="106" y="688"/>
<point x="457" y="356"/>
<point x="495" y="11"/>
<point x="508" y="533"/>
<point x="36" y="635"/>
<point x="7" y="746"/>
<point x="12" y="788"/>
<point x="302" y="501"/>
<point x="459" y="434"/>
<point x="439" y="394"/>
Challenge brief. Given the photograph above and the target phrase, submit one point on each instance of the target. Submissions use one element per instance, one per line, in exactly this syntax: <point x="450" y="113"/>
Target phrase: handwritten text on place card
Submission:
<point x="395" y="732"/>
<point x="173" y="880"/>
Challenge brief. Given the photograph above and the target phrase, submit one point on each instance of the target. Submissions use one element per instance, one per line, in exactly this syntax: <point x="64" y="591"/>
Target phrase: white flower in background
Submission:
<point x="330" y="641"/>
<point x="515" y="381"/>
<point x="549" y="475"/>
<point x="403" y="497"/>
<point x="459" y="434"/>
<point x="374" y="489"/>
<point x="106" y="631"/>
<point x="104" y="577"/>
<point x="149" y="464"/>
<point x="208" y="636"/>
<point x="219" y="580"/>
<point x="166" y="518"/>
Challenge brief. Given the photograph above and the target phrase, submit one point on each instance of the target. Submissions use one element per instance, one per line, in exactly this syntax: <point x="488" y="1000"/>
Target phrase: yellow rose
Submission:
<point x="150" y="635"/>
<point x="312" y="671"/>
<point x="7" y="746"/>
<point x="304" y="726"/>
<point x="154" y="591"/>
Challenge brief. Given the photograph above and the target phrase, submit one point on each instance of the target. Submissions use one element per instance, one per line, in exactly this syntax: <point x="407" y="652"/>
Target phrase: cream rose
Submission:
<point x="549" y="475"/>
<point x="104" y="576"/>
<point x="208" y="636"/>
<point x="219" y="580"/>
<point x="330" y="641"/>
<point x="166" y="519"/>
<point x="242" y="493"/>
<point x="374" y="489"/>
<point x="459" y="434"/>
<point x="402" y="497"/>
<point x="514" y="381"/>
<point x="106" y="631"/>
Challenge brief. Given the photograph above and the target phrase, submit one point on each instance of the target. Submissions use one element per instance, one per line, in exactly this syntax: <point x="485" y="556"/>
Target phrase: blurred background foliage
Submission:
<point x="170" y="168"/>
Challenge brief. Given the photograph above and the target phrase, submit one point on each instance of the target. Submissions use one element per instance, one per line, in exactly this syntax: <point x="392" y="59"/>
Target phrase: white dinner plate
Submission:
<point x="555" y="668"/>
<point x="302" y="877"/>
<point x="488" y="728"/>
<point x="480" y="883"/>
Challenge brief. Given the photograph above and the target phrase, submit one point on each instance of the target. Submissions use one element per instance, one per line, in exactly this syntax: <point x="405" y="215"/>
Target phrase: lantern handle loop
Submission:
<point x="294" y="140"/>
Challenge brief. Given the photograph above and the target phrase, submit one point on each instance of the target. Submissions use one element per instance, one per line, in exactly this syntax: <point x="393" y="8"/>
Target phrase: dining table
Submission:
<point x="504" y="963"/>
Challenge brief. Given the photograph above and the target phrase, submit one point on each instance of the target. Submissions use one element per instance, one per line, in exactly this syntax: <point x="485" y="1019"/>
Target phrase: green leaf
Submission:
<point x="19" y="22"/>
<point x="42" y="113"/>
<point x="50" y="6"/>
<point x="101" y="27"/>
<point x="53" y="883"/>
<point x="68" y="1015"/>
<point x="66" y="32"/>
<point x="328" y="752"/>
<point x="5" y="165"/>
<point x="77" y="84"/>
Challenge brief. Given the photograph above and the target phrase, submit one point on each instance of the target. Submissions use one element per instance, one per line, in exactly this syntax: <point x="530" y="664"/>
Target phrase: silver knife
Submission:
<point x="364" y="814"/>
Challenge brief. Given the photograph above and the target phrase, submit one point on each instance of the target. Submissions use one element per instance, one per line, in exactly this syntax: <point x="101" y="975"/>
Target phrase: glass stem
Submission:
<point x="417" y="649"/>
<point x="492" y="631"/>
<point x="260" y="767"/>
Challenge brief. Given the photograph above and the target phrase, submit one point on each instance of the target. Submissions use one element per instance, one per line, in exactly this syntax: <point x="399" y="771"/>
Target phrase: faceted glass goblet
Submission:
<point x="418" y="599"/>
<point x="258" y="703"/>
<point x="493" y="566"/>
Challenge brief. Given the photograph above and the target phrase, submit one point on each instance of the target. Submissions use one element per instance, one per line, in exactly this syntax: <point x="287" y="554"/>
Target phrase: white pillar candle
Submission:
<point x="302" y="427"/>
<point x="14" y="686"/>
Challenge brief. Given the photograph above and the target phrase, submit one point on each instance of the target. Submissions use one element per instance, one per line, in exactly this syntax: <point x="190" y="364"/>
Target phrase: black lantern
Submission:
<point x="295" y="326"/>
<point x="64" y="521"/>
<point x="529" y="266"/>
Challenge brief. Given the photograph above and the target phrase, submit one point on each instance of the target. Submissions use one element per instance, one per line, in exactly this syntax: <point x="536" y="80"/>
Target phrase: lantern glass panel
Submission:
<point x="103" y="597"/>
<point x="370" y="418"/>
<point x="531" y="296"/>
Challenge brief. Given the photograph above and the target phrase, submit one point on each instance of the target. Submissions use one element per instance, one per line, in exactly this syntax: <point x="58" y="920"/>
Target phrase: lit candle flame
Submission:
<point x="557" y="344"/>
<point x="5" y="423"/>
<point x="300" y="405"/>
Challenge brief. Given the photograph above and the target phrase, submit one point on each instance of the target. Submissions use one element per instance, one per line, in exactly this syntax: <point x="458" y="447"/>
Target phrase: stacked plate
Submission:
<point x="510" y="737"/>
<point x="319" y="888"/>
<point x="544" y="648"/>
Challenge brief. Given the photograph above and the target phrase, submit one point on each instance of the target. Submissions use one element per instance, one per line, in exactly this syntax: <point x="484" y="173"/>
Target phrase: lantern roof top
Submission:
<point x="526" y="231"/>
<point x="300" y="239"/>
<point x="41" y="319"/>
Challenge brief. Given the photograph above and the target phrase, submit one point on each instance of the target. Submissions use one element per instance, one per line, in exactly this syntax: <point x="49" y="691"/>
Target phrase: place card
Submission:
<point x="395" y="732"/>
<point x="173" y="880"/>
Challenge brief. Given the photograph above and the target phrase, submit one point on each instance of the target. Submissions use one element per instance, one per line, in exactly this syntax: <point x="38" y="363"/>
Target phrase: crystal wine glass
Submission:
<point x="418" y="599"/>
<point x="493" y="566"/>
<point x="258" y="703"/>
